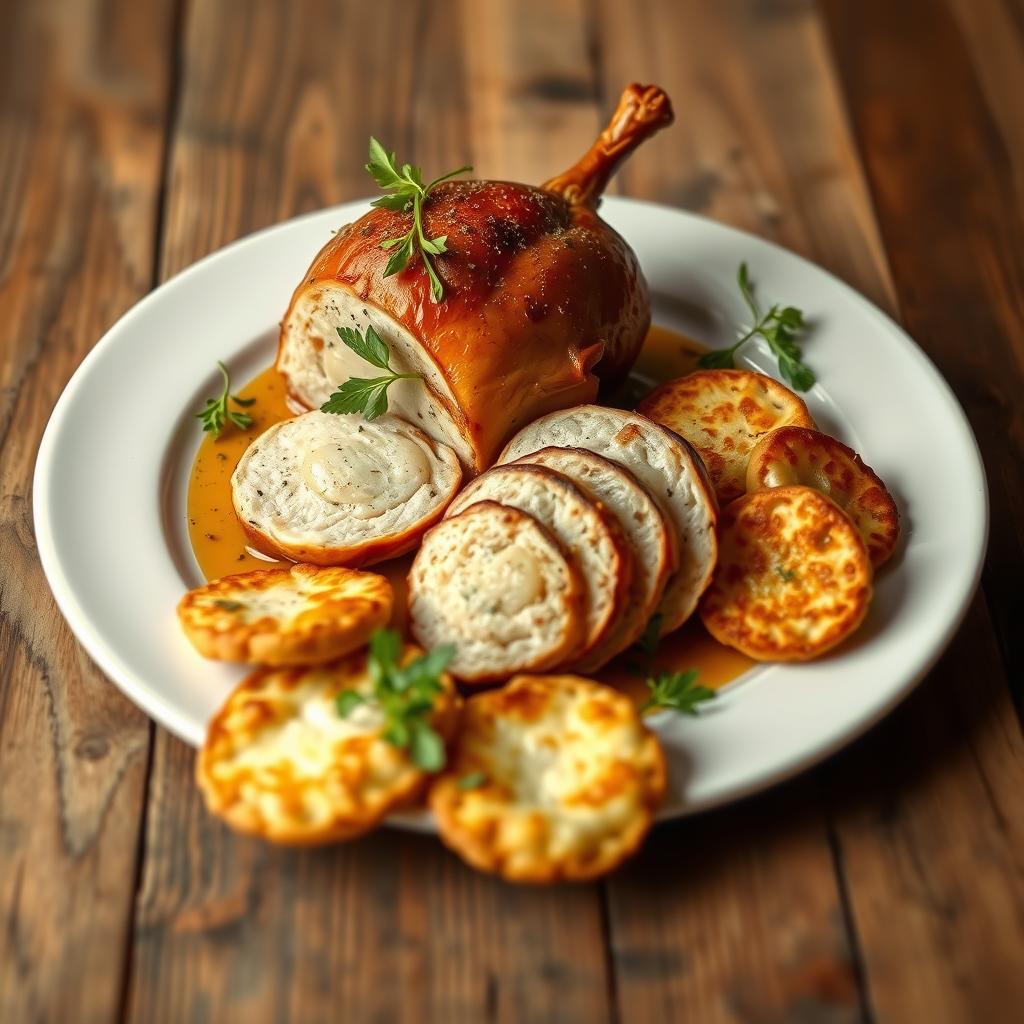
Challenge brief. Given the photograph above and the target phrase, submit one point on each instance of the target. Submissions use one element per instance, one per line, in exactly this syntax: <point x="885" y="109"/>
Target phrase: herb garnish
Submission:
<point x="228" y="606"/>
<point x="778" y="328"/>
<point x="679" y="691"/>
<point x="406" y="191"/>
<point x="472" y="780"/>
<point x="218" y="410"/>
<point x="368" y="395"/>
<point x="406" y="695"/>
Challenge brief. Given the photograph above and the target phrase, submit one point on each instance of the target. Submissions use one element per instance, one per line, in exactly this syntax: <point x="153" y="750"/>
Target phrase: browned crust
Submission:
<point x="867" y="501"/>
<point x="222" y="737"/>
<point x="574" y="597"/>
<point x="676" y="404"/>
<point x="752" y="601"/>
<point x="524" y="697"/>
<point x="340" y="619"/>
<point x="622" y="558"/>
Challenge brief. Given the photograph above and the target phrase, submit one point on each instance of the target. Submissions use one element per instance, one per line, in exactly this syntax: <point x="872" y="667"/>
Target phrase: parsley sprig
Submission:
<point x="406" y="191"/>
<point x="406" y="695"/>
<point x="368" y="395"/>
<point x="218" y="411"/>
<point x="778" y="327"/>
<point x="678" y="691"/>
<point x="472" y="780"/>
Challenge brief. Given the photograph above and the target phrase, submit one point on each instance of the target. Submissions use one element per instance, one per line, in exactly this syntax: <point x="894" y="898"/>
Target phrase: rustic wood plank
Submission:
<point x="739" y="915"/>
<point x="931" y="819"/>
<point x="930" y="830"/>
<point x="390" y="928"/>
<point x="735" y="916"/>
<point x="761" y="139"/>
<point x="83" y="97"/>
<point x="532" y="90"/>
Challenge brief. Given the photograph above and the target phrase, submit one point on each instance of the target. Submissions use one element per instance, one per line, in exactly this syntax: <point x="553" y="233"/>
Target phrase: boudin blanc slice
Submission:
<point x="588" y="532"/>
<point x="646" y="529"/>
<point x="339" y="490"/>
<point x="497" y="585"/>
<point x="665" y="464"/>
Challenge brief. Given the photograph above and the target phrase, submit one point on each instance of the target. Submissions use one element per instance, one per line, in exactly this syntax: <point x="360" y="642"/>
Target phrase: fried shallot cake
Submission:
<point x="793" y="576"/>
<point x="299" y="615"/>
<point x="552" y="778"/>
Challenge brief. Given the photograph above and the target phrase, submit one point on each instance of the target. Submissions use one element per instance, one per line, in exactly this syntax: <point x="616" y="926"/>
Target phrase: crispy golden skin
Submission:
<point x="723" y="414"/>
<point x="552" y="778"/>
<point x="301" y="615"/>
<point x="795" y="455"/>
<point x="793" y="576"/>
<point x="281" y="763"/>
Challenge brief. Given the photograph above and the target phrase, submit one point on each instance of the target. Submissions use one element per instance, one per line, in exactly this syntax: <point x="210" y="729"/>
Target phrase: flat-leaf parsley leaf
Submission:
<point x="218" y="411"/>
<point x="405" y="695"/>
<point x="678" y="691"/>
<point x="407" y="193"/>
<point x="368" y="395"/>
<point x="778" y="327"/>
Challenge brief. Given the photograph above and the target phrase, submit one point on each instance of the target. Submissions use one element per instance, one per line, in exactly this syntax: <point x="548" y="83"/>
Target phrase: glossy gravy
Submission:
<point x="221" y="547"/>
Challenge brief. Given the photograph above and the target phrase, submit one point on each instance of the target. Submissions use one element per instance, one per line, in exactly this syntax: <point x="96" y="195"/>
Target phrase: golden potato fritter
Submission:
<point x="793" y="576"/>
<point x="795" y="455"/>
<point x="281" y="762"/>
<point x="723" y="414"/>
<point x="552" y="778"/>
<point x="298" y="615"/>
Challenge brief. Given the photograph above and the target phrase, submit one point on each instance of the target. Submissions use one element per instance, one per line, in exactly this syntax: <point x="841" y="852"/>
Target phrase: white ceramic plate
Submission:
<point x="113" y="468"/>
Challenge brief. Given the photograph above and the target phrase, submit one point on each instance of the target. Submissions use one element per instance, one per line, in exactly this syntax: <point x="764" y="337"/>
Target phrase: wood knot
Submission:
<point x="92" y="748"/>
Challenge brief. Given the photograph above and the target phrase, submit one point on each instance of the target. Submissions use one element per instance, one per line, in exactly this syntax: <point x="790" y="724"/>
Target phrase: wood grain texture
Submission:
<point x="930" y="830"/>
<point x="946" y="176"/>
<point x="735" y="916"/>
<point x="390" y="928"/>
<point x="888" y="885"/>
<point x="928" y="810"/>
<point x="748" y="924"/>
<point x="761" y="139"/>
<point x="83" y="95"/>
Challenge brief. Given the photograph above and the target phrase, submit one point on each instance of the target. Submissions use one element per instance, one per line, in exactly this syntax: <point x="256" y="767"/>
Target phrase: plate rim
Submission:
<point x="161" y="709"/>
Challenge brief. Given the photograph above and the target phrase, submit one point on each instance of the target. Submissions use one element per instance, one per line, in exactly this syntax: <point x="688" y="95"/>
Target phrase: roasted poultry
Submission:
<point x="543" y="301"/>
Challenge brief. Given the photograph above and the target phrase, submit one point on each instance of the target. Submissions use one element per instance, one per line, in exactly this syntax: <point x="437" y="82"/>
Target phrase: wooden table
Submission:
<point x="882" y="139"/>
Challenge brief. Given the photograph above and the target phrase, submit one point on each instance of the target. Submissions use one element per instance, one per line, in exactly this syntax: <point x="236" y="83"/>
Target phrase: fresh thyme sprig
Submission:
<point x="678" y="691"/>
<point x="218" y="411"/>
<point x="406" y="695"/>
<point x="778" y="327"/>
<point x="368" y="395"/>
<point x="406" y="191"/>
